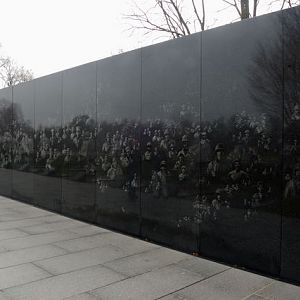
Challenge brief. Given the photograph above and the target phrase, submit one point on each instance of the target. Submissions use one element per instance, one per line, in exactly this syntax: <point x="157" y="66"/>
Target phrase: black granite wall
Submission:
<point x="193" y="143"/>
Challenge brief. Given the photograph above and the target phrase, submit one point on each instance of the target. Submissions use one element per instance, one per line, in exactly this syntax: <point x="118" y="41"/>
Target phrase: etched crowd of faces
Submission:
<point x="215" y="165"/>
<point x="291" y="151"/>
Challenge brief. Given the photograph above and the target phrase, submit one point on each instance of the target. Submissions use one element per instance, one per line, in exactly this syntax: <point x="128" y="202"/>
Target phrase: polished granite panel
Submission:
<point x="170" y="148"/>
<point x="23" y="142"/>
<point x="78" y="142"/>
<point x="118" y="142"/>
<point x="48" y="156"/>
<point x="6" y="113"/>
<point x="241" y="144"/>
<point x="290" y="263"/>
<point x="191" y="143"/>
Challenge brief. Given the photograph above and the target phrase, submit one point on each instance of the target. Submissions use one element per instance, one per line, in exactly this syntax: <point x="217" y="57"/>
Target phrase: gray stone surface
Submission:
<point x="88" y="230"/>
<point x="203" y="267"/>
<point x="280" y="290"/>
<point x="14" y="216"/>
<point x="47" y="256"/>
<point x="50" y="227"/>
<point x="146" y="261"/>
<point x="229" y="285"/>
<point x="12" y="258"/>
<point x="37" y="240"/>
<point x="66" y="285"/>
<point x="11" y="233"/>
<point x="127" y="244"/>
<point x="84" y="296"/>
<point x="151" y="285"/>
<point x="21" y="223"/>
<point x="4" y="296"/>
<point x="21" y="274"/>
<point x="53" y="218"/>
<point x="255" y="297"/>
<point x="80" y="260"/>
<point x="84" y="243"/>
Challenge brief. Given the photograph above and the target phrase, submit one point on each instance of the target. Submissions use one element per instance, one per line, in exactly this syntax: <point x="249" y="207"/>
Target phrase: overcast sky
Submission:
<point x="51" y="35"/>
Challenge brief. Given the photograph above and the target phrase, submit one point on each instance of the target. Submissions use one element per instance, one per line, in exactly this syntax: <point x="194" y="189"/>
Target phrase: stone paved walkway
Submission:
<point x="47" y="256"/>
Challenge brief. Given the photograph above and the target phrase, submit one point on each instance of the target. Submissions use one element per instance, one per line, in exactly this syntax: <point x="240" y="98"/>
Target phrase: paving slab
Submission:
<point x="84" y="243"/>
<point x="29" y="210"/>
<point x="255" y="297"/>
<point x="21" y="274"/>
<point x="84" y="296"/>
<point x="66" y="285"/>
<point x="16" y="257"/>
<point x="5" y="211"/>
<point x="12" y="233"/>
<point x="50" y="227"/>
<point x="14" y="216"/>
<point x="88" y="230"/>
<point x="151" y="285"/>
<point x="21" y="223"/>
<point x="127" y="244"/>
<point x="3" y="250"/>
<point x="280" y="290"/>
<point x="37" y="240"/>
<point x="146" y="261"/>
<point x="203" y="267"/>
<point x="53" y="218"/>
<point x="228" y="285"/>
<point x="4" y="297"/>
<point x="80" y="260"/>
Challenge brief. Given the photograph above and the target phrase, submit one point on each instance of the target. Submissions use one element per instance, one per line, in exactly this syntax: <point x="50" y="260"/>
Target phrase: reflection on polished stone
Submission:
<point x="77" y="142"/>
<point x="118" y="142"/>
<point x="171" y="135"/>
<point x="181" y="143"/>
<point x="22" y="146"/>
<point x="48" y="151"/>
<point x="291" y="165"/>
<point x="240" y="198"/>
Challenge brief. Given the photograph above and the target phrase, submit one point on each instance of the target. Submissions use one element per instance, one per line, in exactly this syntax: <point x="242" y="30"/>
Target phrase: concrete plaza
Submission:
<point x="44" y="255"/>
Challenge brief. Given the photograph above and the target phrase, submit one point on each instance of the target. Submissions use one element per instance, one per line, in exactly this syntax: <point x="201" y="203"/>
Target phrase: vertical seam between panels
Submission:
<point x="200" y="119"/>
<point x="140" y="141"/>
<point x="12" y="140"/>
<point x="95" y="145"/>
<point x="282" y="141"/>
<point x="34" y="139"/>
<point x="61" y="122"/>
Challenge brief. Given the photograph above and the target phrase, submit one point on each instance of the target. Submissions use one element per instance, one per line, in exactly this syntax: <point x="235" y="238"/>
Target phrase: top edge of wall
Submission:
<point x="156" y="44"/>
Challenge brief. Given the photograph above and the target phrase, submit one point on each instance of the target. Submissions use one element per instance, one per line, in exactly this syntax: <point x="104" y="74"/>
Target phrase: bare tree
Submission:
<point x="288" y="3"/>
<point x="249" y="8"/>
<point x="174" y="18"/>
<point x="270" y="79"/>
<point x="242" y="7"/>
<point x="12" y="74"/>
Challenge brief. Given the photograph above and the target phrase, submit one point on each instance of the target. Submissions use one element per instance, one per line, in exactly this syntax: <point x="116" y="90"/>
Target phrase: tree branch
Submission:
<point x="201" y="21"/>
<point x="176" y="7"/>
